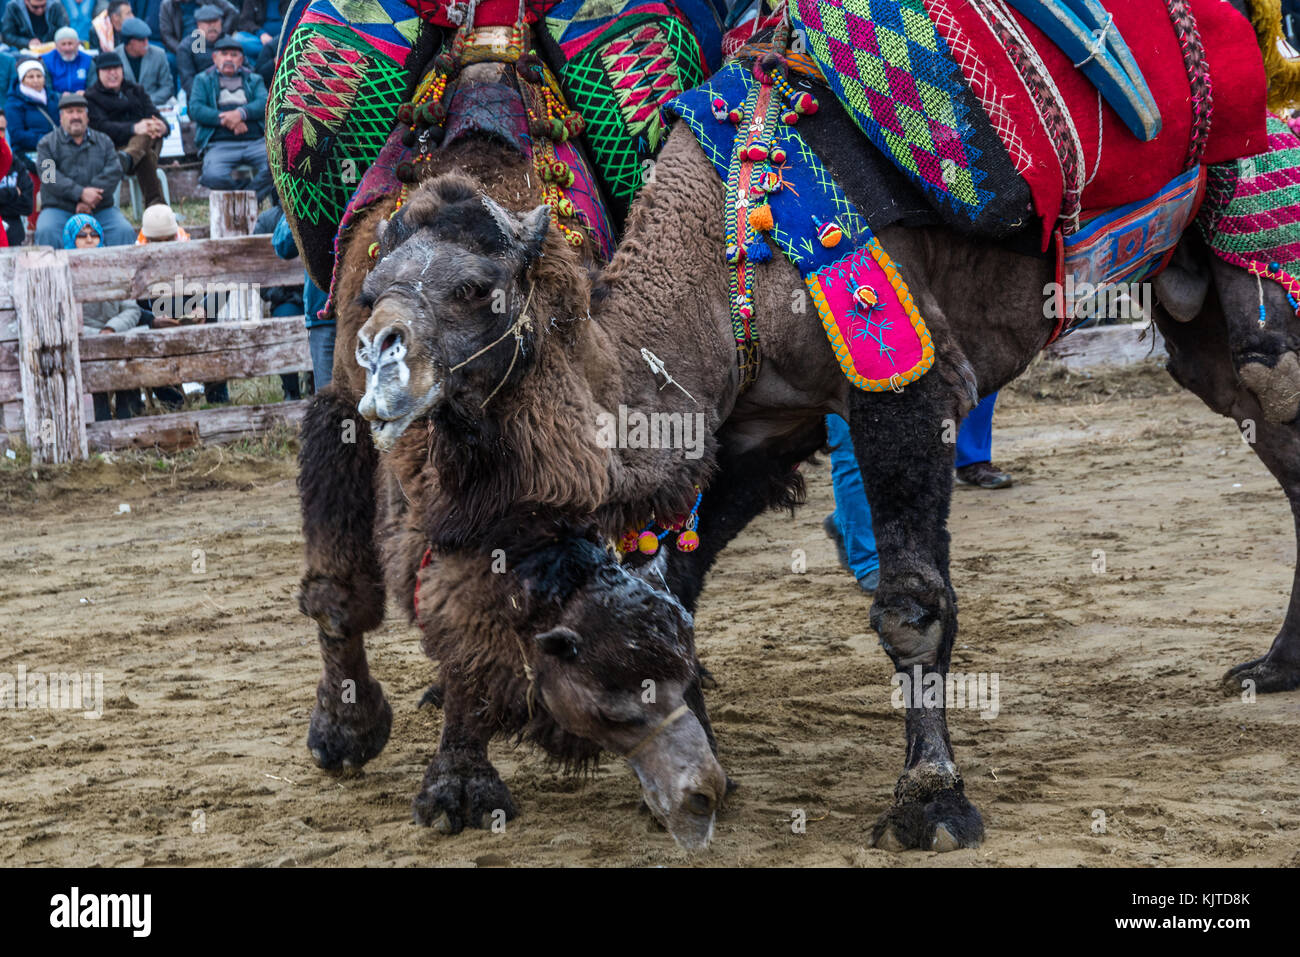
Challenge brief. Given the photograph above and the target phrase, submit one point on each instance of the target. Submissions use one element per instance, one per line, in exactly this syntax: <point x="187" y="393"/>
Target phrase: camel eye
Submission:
<point x="474" y="291"/>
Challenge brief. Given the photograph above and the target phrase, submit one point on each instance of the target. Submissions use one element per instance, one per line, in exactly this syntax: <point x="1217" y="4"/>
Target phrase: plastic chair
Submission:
<point x="137" y="194"/>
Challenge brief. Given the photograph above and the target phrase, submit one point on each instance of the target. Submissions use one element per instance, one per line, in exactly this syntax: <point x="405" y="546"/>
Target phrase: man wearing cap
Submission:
<point x="80" y="171"/>
<point x="124" y="112"/>
<point x="106" y="28"/>
<point x="177" y="20"/>
<point x="195" y="53"/>
<point x="67" y="66"/>
<point x="229" y="105"/>
<point x="29" y="23"/>
<point x="145" y="64"/>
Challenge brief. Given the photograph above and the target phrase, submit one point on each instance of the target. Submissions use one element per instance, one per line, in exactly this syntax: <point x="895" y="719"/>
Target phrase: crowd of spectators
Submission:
<point x="91" y="90"/>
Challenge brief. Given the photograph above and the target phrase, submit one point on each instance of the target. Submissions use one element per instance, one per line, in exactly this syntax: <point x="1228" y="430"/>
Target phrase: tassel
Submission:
<point x="758" y="251"/>
<point x="761" y="218"/>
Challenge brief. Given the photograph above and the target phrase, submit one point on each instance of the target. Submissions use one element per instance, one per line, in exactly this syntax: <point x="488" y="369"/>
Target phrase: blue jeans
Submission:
<point x="320" y="340"/>
<point x="220" y="157"/>
<point x="118" y="231"/>
<point x="252" y="44"/>
<point x="852" y="513"/>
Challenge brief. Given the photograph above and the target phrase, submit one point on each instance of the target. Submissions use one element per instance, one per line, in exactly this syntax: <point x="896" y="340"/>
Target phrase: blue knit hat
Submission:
<point x="75" y="225"/>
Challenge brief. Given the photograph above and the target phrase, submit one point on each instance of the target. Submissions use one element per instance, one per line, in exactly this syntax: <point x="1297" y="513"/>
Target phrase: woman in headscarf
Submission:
<point x="104" y="318"/>
<point x="27" y="108"/>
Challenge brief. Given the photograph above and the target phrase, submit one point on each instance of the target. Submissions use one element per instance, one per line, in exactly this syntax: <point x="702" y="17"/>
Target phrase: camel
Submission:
<point x="478" y="336"/>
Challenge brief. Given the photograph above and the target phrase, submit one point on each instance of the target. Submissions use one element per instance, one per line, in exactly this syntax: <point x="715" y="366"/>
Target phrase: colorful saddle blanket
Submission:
<point x="1251" y="216"/>
<point x="778" y="187"/>
<point x="923" y="77"/>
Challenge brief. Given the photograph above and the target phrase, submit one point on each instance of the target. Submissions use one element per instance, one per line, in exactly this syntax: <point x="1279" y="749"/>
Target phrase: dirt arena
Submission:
<point x="1109" y="710"/>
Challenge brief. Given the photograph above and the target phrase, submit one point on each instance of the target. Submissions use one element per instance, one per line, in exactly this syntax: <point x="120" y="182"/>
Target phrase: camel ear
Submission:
<point x="532" y="231"/>
<point x="653" y="572"/>
<point x="561" y="642"/>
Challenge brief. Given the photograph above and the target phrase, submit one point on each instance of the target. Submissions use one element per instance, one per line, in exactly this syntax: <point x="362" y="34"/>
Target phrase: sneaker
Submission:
<point x="832" y="531"/>
<point x="870" y="581"/>
<point x="984" y="475"/>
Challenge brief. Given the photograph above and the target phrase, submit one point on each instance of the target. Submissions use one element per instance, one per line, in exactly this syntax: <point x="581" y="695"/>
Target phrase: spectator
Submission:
<point x="228" y="105"/>
<point x="107" y="25"/>
<point x="283" y="300"/>
<point x="103" y="318"/>
<point x="320" y="332"/>
<point x="80" y="13"/>
<point x="28" y="107"/>
<point x="177" y="19"/>
<point x="265" y="65"/>
<point x="67" y="67"/>
<point x="195" y="55"/>
<point x="249" y="29"/>
<point x="17" y="193"/>
<point x="148" y="10"/>
<point x="80" y="172"/>
<point x="174" y="307"/>
<point x="125" y="113"/>
<point x="29" y="23"/>
<point x="6" y="164"/>
<point x="144" y="64"/>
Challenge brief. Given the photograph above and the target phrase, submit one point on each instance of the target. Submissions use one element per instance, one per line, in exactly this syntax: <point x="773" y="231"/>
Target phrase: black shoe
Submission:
<point x="833" y="533"/>
<point x="984" y="475"/>
<point x="127" y="161"/>
<point x="870" y="581"/>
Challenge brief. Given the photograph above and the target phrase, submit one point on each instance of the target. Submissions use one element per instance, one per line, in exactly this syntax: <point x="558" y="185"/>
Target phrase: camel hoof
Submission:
<point x="462" y="791"/>
<point x="1277" y="388"/>
<point x="1266" y="676"/>
<point x="930" y="813"/>
<point x="347" y="735"/>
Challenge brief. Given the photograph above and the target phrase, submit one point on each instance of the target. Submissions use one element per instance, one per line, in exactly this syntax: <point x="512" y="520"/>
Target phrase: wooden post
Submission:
<point x="234" y="213"/>
<point x="49" y="357"/>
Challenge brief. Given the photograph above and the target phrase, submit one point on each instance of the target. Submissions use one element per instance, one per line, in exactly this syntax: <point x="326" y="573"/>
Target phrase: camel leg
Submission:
<point x="907" y="471"/>
<point x="342" y="587"/>
<point x="1201" y="361"/>
<point x="461" y="787"/>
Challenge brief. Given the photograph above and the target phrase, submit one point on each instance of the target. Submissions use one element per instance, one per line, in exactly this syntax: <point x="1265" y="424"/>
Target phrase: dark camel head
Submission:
<point x="615" y="665"/>
<point x="450" y="314"/>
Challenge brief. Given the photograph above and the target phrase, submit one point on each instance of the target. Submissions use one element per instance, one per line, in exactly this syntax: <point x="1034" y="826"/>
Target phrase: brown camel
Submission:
<point x="478" y="321"/>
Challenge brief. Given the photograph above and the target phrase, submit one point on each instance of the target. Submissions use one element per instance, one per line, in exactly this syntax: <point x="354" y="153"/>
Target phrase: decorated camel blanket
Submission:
<point x="777" y="189"/>
<point x="926" y="80"/>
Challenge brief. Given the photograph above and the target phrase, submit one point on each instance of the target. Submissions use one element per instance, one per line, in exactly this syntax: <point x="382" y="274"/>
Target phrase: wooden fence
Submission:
<point x="47" y="365"/>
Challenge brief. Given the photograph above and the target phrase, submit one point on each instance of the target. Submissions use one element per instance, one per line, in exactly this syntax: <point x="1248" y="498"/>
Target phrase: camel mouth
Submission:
<point x="383" y="411"/>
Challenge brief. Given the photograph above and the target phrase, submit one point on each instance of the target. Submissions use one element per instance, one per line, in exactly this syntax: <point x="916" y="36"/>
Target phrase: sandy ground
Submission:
<point x="1108" y="707"/>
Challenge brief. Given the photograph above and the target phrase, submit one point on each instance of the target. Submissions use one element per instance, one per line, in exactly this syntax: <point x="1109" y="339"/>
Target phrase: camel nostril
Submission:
<point x="699" y="802"/>
<point x="388" y="339"/>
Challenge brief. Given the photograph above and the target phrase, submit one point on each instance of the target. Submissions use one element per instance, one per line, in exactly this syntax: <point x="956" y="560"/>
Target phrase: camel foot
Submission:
<point x="462" y="790"/>
<point x="1277" y="387"/>
<point x="346" y="733"/>
<point x="930" y="813"/>
<point x="1267" y="676"/>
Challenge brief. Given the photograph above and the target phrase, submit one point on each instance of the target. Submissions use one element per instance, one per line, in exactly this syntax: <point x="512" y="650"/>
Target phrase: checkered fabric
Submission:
<point x="894" y="73"/>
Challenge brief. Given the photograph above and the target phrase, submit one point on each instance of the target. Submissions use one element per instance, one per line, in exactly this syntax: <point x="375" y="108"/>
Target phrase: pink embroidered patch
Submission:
<point x="879" y="337"/>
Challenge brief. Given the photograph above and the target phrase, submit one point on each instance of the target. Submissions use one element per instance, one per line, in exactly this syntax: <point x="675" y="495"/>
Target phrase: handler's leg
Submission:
<point x="849" y="526"/>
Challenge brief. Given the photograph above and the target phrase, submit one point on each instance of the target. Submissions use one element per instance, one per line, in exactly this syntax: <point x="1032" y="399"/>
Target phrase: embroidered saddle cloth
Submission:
<point x="927" y="80"/>
<point x="778" y="189"/>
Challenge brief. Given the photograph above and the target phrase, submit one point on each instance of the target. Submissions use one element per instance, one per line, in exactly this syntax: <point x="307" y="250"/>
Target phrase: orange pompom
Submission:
<point x="760" y="218"/>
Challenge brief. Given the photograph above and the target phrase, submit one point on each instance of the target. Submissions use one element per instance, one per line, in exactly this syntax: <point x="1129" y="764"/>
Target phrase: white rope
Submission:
<point x="1100" y="42"/>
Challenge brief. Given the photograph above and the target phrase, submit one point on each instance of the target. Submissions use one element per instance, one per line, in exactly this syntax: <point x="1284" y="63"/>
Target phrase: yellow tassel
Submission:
<point x="760" y="218"/>
<point x="1283" y="74"/>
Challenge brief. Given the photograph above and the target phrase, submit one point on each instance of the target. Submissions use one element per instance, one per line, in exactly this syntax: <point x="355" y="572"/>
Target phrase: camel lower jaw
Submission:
<point x="385" y="432"/>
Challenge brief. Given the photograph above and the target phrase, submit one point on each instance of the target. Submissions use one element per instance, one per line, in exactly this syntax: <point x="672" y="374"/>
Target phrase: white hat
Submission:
<point x="66" y="33"/>
<point x="27" y="66"/>
<point x="159" y="222"/>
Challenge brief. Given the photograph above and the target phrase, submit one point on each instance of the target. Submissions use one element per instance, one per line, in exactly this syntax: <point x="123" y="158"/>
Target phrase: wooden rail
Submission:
<point x="47" y="365"/>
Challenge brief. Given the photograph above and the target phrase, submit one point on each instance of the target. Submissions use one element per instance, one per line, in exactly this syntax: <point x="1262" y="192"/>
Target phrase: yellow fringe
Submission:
<point x="1283" y="74"/>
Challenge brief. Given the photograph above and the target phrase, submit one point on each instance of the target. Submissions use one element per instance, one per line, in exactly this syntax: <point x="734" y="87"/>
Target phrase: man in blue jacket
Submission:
<point x="229" y="106"/>
<point x="68" y="68"/>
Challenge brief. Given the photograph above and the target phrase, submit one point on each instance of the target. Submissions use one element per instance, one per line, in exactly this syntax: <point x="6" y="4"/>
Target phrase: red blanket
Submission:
<point x="1129" y="169"/>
